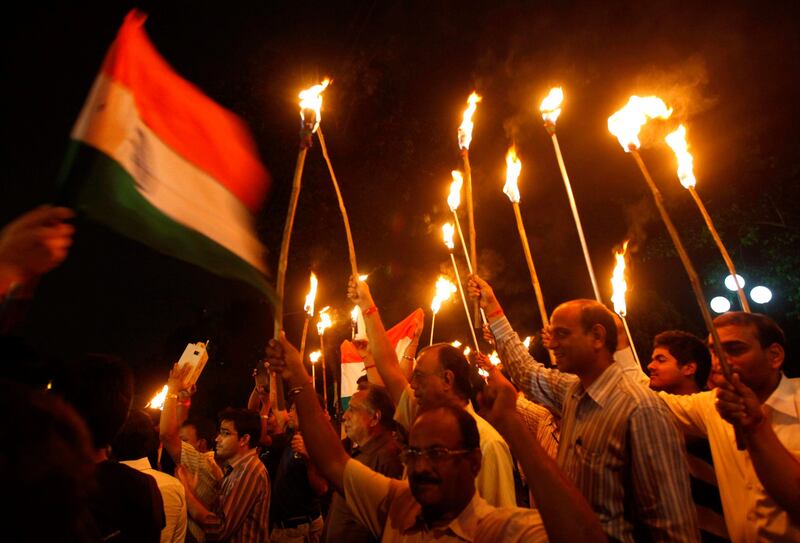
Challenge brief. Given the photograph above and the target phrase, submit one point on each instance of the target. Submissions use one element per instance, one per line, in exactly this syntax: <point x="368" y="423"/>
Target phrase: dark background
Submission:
<point x="402" y="72"/>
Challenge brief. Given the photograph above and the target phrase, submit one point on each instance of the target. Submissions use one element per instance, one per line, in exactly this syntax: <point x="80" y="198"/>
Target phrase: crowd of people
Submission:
<point x="587" y="447"/>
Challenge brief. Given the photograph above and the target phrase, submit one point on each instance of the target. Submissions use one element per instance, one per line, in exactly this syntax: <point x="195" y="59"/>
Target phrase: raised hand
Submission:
<point x="284" y="359"/>
<point x="737" y="403"/>
<point x="481" y="291"/>
<point x="358" y="293"/>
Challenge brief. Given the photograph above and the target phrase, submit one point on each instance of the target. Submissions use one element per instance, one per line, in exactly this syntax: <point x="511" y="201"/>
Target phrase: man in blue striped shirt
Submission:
<point x="618" y="442"/>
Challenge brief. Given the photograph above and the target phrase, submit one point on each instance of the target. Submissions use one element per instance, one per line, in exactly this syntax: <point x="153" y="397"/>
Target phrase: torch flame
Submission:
<point x="527" y="342"/>
<point x="447" y="233"/>
<point x="315" y="356"/>
<point x="551" y="105"/>
<point x="311" y="296"/>
<point x="677" y="140"/>
<point x="467" y="350"/>
<point x="513" y="169"/>
<point x="465" y="130"/>
<point x="494" y="358"/>
<point x="363" y="277"/>
<point x="444" y="291"/>
<point x="454" y="199"/>
<point x="324" y="321"/>
<point x="618" y="283"/>
<point x="311" y="99"/>
<point x="158" y="400"/>
<point x="456" y="344"/>
<point x="626" y="123"/>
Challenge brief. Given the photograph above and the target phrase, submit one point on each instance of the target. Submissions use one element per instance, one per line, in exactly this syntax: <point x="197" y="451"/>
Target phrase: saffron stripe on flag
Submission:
<point x="110" y="123"/>
<point x="188" y="121"/>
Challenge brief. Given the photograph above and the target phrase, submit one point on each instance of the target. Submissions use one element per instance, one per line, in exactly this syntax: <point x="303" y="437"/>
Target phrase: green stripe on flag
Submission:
<point x="98" y="186"/>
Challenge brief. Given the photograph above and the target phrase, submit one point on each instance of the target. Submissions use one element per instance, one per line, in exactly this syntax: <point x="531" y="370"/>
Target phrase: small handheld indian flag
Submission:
<point x="158" y="161"/>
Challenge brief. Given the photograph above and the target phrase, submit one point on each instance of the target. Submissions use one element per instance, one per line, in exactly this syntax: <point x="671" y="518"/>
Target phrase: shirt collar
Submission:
<point x="233" y="464"/>
<point x="464" y="525"/>
<point x="784" y="398"/>
<point x="604" y="385"/>
<point x="374" y="444"/>
<point x="141" y="464"/>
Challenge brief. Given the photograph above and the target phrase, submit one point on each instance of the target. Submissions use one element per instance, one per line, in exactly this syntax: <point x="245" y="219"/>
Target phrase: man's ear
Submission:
<point x="599" y="332"/>
<point x="245" y="441"/>
<point x="376" y="419"/>
<point x="775" y="355"/>
<point x="689" y="369"/>
<point x="449" y="377"/>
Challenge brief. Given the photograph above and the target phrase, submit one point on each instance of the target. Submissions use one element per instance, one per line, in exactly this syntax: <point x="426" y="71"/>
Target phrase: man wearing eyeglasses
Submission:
<point x="441" y="373"/>
<point x="439" y="501"/>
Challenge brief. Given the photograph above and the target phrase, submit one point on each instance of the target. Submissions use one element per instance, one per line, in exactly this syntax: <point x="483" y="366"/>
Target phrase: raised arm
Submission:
<point x="170" y="420"/>
<point x="542" y="385"/>
<point x="776" y="467"/>
<point x="566" y="514"/>
<point x="33" y="244"/>
<point x="321" y="441"/>
<point x="379" y="345"/>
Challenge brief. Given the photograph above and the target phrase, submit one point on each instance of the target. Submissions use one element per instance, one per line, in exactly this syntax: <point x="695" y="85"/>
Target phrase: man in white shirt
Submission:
<point x="136" y="441"/>
<point x="754" y="346"/>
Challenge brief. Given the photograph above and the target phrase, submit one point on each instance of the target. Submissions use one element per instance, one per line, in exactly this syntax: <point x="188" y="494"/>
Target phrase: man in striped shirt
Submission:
<point x="241" y="512"/>
<point x="618" y="443"/>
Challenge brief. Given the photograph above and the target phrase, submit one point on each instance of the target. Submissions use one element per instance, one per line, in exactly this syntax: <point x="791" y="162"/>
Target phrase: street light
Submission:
<point x="730" y="283"/>
<point x="761" y="294"/>
<point x="720" y="304"/>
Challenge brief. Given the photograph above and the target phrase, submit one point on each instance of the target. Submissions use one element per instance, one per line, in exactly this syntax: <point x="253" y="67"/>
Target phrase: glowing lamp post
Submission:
<point x="677" y="141"/>
<point x="513" y="170"/>
<point x="447" y="235"/>
<point x="551" y="109"/>
<point x="625" y="125"/>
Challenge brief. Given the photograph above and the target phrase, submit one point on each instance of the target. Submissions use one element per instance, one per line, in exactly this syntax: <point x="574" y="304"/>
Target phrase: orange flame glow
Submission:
<point x="315" y="356"/>
<point x="494" y="358"/>
<point x="324" y="321"/>
<point x="447" y="234"/>
<point x="465" y="130"/>
<point x="454" y="198"/>
<point x="618" y="283"/>
<point x="467" y="350"/>
<point x="551" y="105"/>
<point x="626" y="123"/>
<point x="456" y="344"/>
<point x="158" y="400"/>
<point x="444" y="291"/>
<point x="677" y="140"/>
<point x="311" y="296"/>
<point x="311" y="99"/>
<point x="513" y="169"/>
<point x="527" y="342"/>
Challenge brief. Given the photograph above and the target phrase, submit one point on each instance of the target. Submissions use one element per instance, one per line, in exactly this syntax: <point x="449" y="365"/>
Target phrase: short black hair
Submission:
<point x="453" y="359"/>
<point x="686" y="347"/>
<point x="468" y="428"/>
<point x="137" y="439"/>
<point x="378" y="400"/>
<point x="245" y="421"/>
<point x="767" y="330"/>
<point x="100" y="388"/>
<point x="203" y="427"/>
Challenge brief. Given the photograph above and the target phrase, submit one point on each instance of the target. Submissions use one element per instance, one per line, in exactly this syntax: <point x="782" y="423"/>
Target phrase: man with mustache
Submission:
<point x="441" y="371"/>
<point x="618" y="443"/>
<point x="439" y="501"/>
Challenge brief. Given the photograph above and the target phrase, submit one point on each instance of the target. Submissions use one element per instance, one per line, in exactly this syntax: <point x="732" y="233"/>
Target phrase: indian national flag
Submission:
<point x="400" y="335"/>
<point x="156" y="160"/>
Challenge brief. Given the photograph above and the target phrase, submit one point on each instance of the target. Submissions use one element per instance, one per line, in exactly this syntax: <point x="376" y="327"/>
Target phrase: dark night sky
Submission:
<point x="402" y="72"/>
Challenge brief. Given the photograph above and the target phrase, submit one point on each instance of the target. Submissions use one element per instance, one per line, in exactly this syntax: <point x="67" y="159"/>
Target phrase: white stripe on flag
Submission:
<point x="110" y="122"/>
